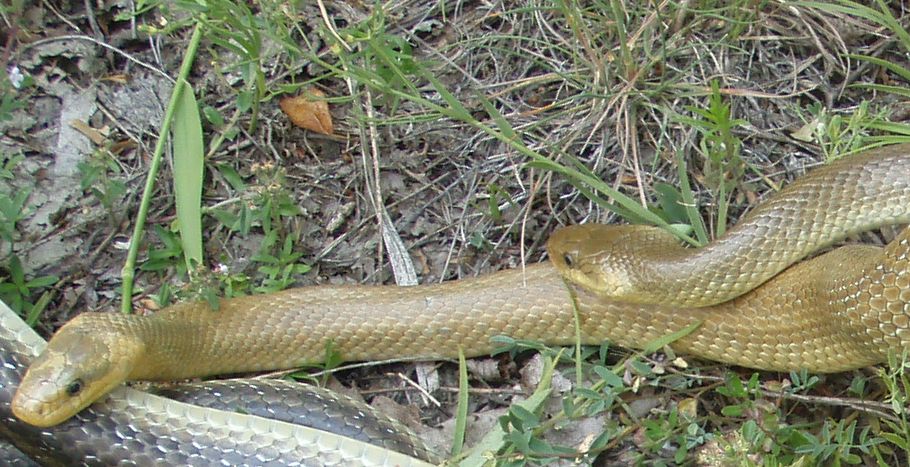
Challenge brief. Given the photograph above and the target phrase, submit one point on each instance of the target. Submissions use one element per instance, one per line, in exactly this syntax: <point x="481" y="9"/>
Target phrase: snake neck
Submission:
<point x="832" y="202"/>
<point x="846" y="197"/>
<point x="126" y="347"/>
<point x="192" y="339"/>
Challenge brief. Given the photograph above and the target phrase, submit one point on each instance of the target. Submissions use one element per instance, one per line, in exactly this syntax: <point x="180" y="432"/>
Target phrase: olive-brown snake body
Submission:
<point x="845" y="309"/>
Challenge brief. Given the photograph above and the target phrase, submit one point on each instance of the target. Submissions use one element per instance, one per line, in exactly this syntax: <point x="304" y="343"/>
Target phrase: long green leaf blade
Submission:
<point x="188" y="166"/>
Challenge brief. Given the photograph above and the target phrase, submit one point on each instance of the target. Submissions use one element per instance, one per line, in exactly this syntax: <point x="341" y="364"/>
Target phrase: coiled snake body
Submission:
<point x="130" y="427"/>
<point x="844" y="309"/>
<point x="643" y="264"/>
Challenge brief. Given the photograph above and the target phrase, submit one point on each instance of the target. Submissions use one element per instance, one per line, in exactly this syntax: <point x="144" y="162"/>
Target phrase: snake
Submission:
<point x="844" y="309"/>
<point x="224" y="422"/>
<point x="646" y="264"/>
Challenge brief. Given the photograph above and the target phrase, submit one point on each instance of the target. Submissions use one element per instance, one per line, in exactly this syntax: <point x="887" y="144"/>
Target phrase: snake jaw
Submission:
<point x="68" y="375"/>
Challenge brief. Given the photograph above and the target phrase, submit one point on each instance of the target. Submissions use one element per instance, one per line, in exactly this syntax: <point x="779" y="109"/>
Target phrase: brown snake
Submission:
<point x="643" y="264"/>
<point x="845" y="309"/>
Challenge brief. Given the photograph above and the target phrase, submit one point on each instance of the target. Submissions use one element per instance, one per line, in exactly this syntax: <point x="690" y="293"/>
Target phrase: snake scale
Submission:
<point x="844" y="309"/>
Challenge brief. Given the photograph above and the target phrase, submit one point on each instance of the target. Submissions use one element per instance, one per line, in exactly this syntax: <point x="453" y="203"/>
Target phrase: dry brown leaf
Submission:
<point x="97" y="136"/>
<point x="118" y="78"/>
<point x="309" y="111"/>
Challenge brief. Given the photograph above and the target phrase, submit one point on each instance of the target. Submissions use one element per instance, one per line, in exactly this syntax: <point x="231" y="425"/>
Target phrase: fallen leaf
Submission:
<point x="97" y="136"/>
<point x="309" y="111"/>
<point x="119" y="78"/>
<point x="688" y="408"/>
<point x="808" y="131"/>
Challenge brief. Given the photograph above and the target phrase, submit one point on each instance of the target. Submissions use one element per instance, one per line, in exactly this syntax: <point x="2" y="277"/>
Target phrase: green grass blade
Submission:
<point x="688" y="199"/>
<point x="668" y="339"/>
<point x="35" y="312"/>
<point x="461" y="414"/>
<point x="882" y="16"/>
<point x="902" y="91"/>
<point x="893" y="67"/>
<point x="188" y="166"/>
<point x="902" y="129"/>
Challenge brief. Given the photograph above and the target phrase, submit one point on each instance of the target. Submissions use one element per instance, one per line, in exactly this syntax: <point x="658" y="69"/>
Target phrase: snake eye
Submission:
<point x="569" y="259"/>
<point x="74" y="388"/>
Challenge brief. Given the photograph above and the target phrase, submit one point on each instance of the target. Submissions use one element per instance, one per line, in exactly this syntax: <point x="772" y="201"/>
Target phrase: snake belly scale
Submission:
<point x="844" y="309"/>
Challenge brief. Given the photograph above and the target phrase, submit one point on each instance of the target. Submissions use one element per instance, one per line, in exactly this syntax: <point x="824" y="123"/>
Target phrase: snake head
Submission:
<point x="581" y="254"/>
<point x="607" y="259"/>
<point x="74" y="370"/>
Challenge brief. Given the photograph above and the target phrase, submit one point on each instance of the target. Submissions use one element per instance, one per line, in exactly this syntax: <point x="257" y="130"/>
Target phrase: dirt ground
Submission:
<point x="460" y="202"/>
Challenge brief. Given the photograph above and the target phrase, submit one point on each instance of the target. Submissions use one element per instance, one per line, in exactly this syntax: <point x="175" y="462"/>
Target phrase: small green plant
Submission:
<point x="18" y="291"/>
<point x="387" y="57"/>
<point x="169" y="254"/>
<point x="101" y="176"/>
<point x="720" y="147"/>
<point x="839" y="135"/>
<point x="524" y="446"/>
<point x="235" y="29"/>
<point x="12" y="203"/>
<point x="675" y="432"/>
<point x="897" y="384"/>
<point x="479" y="241"/>
<point x="836" y="442"/>
<point x="266" y="203"/>
<point x="490" y="205"/>
<point x="280" y="267"/>
<point x="766" y="432"/>
<point x="761" y="428"/>
<point x="802" y="381"/>
<point x="332" y="359"/>
<point x="733" y="388"/>
<point x="12" y="85"/>
<point x="202" y="284"/>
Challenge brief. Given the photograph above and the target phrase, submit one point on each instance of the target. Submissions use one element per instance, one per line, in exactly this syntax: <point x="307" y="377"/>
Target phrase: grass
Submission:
<point x="668" y="113"/>
<point x="26" y="293"/>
